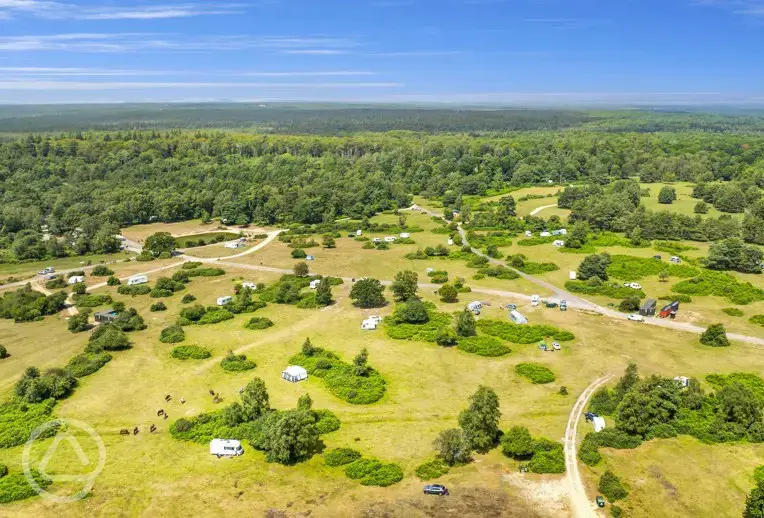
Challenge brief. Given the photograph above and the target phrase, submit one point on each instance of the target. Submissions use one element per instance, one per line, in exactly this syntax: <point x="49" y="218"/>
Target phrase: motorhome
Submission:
<point x="138" y="279"/>
<point x="226" y="448"/>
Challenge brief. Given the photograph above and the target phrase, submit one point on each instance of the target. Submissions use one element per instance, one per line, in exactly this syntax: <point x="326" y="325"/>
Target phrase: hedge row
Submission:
<point x="720" y="284"/>
<point x="483" y="346"/>
<point x="614" y="291"/>
<point x="190" y="352"/>
<point x="91" y="301"/>
<point x="86" y="364"/>
<point x="340" y="378"/>
<point x="522" y="334"/>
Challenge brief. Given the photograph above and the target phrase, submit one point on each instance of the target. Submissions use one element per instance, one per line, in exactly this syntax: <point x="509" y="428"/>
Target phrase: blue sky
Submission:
<point x="549" y="52"/>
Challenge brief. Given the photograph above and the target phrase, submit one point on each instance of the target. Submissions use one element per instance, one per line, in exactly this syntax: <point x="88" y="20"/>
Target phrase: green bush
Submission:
<point x="205" y="427"/>
<point x="426" y="332"/>
<point x="340" y="378"/>
<point x="758" y="474"/>
<point x="715" y="336"/>
<point x="536" y="373"/>
<point x="172" y="335"/>
<point x="101" y="271"/>
<point x="606" y="289"/>
<point x="733" y="312"/>
<point x="538" y="240"/>
<point x="91" y="301"/>
<point x="522" y="334"/>
<point x="187" y="298"/>
<point x="3" y="470"/>
<point x="499" y="272"/>
<point x="549" y="461"/>
<point x="191" y="265"/>
<point x="113" y="281"/>
<point x="16" y="487"/>
<point x="190" y="352"/>
<point x="307" y="301"/>
<point x="3" y="352"/>
<point x="361" y="468"/>
<point x="157" y="293"/>
<point x="757" y="320"/>
<point x="86" y="364"/>
<point x="684" y="299"/>
<point x="138" y="289"/>
<point x="205" y="272"/>
<point x="215" y="316"/>
<point x="432" y="470"/>
<point x="483" y="346"/>
<point x="326" y="422"/>
<point x="340" y="457"/>
<point x="56" y="284"/>
<point x="18" y="420"/>
<point x="237" y="363"/>
<point x="630" y="268"/>
<point x="159" y="306"/>
<point x="751" y="380"/>
<point x="537" y="268"/>
<point x="720" y="284"/>
<point x="107" y="337"/>
<point x="258" y="323"/>
<point x="610" y="486"/>
<point x="672" y="247"/>
<point x="386" y="475"/>
<point x="662" y="431"/>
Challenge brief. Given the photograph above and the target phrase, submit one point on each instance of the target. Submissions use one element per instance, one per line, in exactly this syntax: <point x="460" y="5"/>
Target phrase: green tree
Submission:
<point x="734" y="254"/>
<point x="288" y="437"/>
<point x="506" y="210"/>
<point x="738" y="404"/>
<point x="446" y="337"/>
<point x="465" y="324"/>
<point x="412" y="312"/>
<point x="452" y="447"/>
<point x="594" y="266"/>
<point x="754" y="502"/>
<point x="329" y="242"/>
<point x="610" y="486"/>
<point x="79" y="288"/>
<point x="628" y="381"/>
<point x="301" y="269"/>
<point x="360" y="363"/>
<point x="255" y="399"/>
<point x="480" y="421"/>
<point x="517" y="442"/>
<point x="578" y="235"/>
<point x="299" y="253"/>
<point x="160" y="242"/>
<point x="305" y="402"/>
<point x="405" y="285"/>
<point x="448" y="293"/>
<point x="701" y="208"/>
<point x="308" y="349"/>
<point x="3" y="352"/>
<point x="664" y="276"/>
<point x="667" y="195"/>
<point x="324" y="293"/>
<point x="652" y="401"/>
<point x="79" y="322"/>
<point x="715" y="336"/>
<point x="368" y="293"/>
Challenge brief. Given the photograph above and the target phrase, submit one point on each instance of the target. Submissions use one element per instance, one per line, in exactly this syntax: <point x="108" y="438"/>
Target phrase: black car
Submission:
<point x="435" y="489"/>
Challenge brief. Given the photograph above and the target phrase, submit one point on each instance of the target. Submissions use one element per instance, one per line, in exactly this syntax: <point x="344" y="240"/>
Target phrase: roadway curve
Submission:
<point x="580" y="503"/>
<point x="539" y="209"/>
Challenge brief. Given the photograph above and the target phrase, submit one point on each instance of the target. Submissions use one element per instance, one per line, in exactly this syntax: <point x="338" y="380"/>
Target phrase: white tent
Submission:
<point x="369" y="324"/>
<point x="314" y="284"/>
<point x="599" y="423"/>
<point x="294" y="373"/>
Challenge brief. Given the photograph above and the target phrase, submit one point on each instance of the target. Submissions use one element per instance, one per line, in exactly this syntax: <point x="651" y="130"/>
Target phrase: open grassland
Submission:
<point x="684" y="203"/>
<point x="218" y="250"/>
<point x="427" y="386"/>
<point x="65" y="263"/>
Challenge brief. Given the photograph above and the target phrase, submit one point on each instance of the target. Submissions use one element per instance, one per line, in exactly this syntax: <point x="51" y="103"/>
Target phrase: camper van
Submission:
<point x="369" y="325"/>
<point x="390" y="239"/>
<point x="222" y="301"/>
<point x="138" y="279"/>
<point x="405" y="235"/>
<point x="535" y="300"/>
<point x="226" y="448"/>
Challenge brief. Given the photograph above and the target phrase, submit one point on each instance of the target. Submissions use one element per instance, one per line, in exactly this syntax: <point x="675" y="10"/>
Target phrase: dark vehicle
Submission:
<point x="657" y="257"/>
<point x="435" y="489"/>
<point x="590" y="416"/>
<point x="600" y="501"/>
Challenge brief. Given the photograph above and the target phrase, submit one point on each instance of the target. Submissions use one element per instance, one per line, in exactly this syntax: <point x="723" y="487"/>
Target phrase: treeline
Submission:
<point x="86" y="186"/>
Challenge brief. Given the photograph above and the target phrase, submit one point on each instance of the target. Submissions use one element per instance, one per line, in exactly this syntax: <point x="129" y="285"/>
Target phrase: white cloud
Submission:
<point x="417" y="54"/>
<point x="63" y="10"/>
<point x="21" y="73"/>
<point x="131" y="42"/>
<point x="135" y="85"/>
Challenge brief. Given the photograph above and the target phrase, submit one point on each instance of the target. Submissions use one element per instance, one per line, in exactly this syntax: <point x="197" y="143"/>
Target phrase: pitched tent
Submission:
<point x="599" y="423"/>
<point x="294" y="373"/>
<point x="369" y="324"/>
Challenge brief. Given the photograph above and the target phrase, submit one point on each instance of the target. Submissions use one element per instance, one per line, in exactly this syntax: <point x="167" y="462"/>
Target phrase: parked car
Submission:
<point x="46" y="271"/>
<point x="563" y="305"/>
<point x="636" y="318"/>
<point x="511" y="306"/>
<point x="435" y="489"/>
<point x="600" y="501"/>
<point x="556" y="346"/>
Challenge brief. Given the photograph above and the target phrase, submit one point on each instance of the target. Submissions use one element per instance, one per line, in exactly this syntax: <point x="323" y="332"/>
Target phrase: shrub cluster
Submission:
<point x="204" y="272"/>
<point x="543" y="455"/>
<point x="101" y="271"/>
<point x="138" y="289"/>
<point x="720" y="284"/>
<point x="172" y="335"/>
<point x="258" y="323"/>
<point x="16" y="487"/>
<point x="522" y="334"/>
<point x="498" y="272"/>
<point x="340" y="377"/>
<point x="597" y="287"/>
<point x="26" y="305"/>
<point x="56" y="284"/>
<point x="733" y="312"/>
<point x="757" y="320"/>
<point x="432" y="470"/>
<point x="326" y="421"/>
<point x="372" y="472"/>
<point x="630" y="268"/>
<point x="483" y="346"/>
<point x="158" y="306"/>
<point x="190" y="352"/>
<point x="91" y="301"/>
<point x="86" y="364"/>
<point x="237" y="363"/>
<point x="340" y="457"/>
<point x="425" y="332"/>
<point x="536" y="373"/>
<point x="18" y="419"/>
<point x="610" y="486"/>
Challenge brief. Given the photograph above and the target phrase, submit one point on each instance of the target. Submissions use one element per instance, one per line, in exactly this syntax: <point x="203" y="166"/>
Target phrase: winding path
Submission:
<point x="539" y="209"/>
<point x="580" y="503"/>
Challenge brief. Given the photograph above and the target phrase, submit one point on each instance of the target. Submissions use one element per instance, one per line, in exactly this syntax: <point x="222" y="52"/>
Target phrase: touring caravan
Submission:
<point x="138" y="279"/>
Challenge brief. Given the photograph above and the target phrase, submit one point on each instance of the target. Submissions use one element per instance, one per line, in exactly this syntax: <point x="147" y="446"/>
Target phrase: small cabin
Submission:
<point x="106" y="316"/>
<point x="294" y="373"/>
<point x="222" y="301"/>
<point x="649" y="308"/>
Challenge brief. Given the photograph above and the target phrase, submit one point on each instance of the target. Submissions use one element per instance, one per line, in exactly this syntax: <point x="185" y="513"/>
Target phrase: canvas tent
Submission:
<point x="294" y="373"/>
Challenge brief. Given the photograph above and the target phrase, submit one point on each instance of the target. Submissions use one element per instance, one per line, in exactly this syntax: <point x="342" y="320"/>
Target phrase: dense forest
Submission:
<point x="86" y="186"/>
<point x="342" y="119"/>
